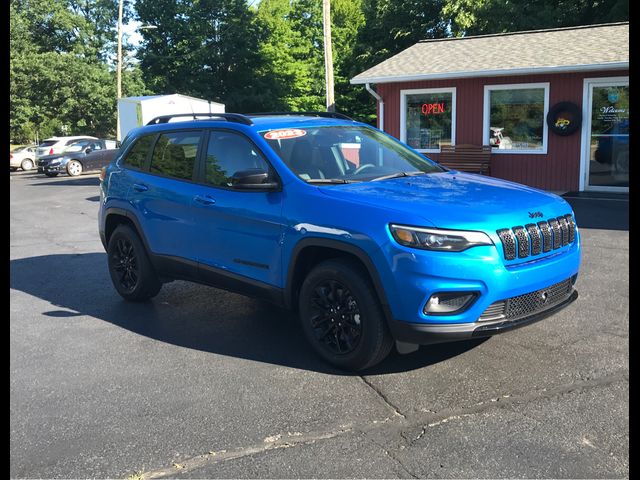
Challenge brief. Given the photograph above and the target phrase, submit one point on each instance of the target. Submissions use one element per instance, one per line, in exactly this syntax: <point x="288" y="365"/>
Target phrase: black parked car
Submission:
<point x="81" y="156"/>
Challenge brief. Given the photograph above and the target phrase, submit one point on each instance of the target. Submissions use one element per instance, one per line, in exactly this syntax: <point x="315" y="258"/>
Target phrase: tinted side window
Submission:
<point x="69" y="142"/>
<point x="175" y="154"/>
<point x="137" y="156"/>
<point x="228" y="153"/>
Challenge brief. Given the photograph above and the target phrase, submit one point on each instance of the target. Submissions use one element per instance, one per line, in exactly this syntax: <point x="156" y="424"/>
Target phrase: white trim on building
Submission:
<point x="403" y="113"/>
<point x="485" y="117"/>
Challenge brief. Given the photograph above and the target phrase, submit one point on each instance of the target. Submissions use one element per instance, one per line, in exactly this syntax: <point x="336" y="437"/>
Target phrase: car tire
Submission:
<point x="342" y="317"/>
<point x="27" y="164"/>
<point x="51" y="174"/>
<point x="74" y="168"/>
<point x="131" y="271"/>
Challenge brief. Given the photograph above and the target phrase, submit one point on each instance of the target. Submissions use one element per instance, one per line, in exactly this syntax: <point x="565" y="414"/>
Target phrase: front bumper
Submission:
<point x="50" y="168"/>
<point x="425" y="334"/>
<point x="504" y="292"/>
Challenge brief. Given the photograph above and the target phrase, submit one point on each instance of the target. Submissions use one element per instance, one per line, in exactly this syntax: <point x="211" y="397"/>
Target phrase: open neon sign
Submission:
<point x="432" y="108"/>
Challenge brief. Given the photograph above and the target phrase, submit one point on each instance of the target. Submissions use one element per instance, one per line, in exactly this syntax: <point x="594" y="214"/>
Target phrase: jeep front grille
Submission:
<point x="508" y="240"/>
<point x="534" y="239"/>
<point x="547" y="236"/>
<point x="529" y="303"/>
<point x="557" y="233"/>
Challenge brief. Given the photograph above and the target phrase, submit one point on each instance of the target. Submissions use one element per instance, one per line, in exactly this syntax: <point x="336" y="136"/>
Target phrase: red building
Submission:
<point x="553" y="104"/>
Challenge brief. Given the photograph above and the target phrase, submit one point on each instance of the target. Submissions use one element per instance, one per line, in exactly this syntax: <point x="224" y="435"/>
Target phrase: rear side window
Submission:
<point x="137" y="156"/>
<point x="175" y="154"/>
<point x="48" y="143"/>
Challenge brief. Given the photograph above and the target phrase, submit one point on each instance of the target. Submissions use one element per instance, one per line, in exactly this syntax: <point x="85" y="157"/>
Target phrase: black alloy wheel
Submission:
<point x="125" y="264"/>
<point x="336" y="317"/>
<point x="342" y="317"/>
<point x="131" y="271"/>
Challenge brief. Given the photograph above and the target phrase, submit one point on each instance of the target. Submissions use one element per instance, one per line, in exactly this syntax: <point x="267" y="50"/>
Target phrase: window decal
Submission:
<point x="285" y="134"/>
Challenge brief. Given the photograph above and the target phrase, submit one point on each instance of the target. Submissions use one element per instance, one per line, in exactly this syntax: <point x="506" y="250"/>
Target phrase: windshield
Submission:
<point x="344" y="154"/>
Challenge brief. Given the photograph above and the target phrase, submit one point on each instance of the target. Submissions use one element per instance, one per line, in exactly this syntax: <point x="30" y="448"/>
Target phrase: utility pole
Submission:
<point x="119" y="69"/>
<point x="328" y="55"/>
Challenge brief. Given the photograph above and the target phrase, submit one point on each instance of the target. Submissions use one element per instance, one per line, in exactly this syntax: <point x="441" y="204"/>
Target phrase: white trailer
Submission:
<point x="135" y="112"/>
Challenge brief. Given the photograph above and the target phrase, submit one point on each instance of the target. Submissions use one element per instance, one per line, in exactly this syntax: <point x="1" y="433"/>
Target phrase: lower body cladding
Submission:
<point x="485" y="297"/>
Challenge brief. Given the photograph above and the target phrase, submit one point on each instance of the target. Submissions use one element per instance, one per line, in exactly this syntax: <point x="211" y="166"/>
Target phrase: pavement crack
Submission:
<point x="383" y="397"/>
<point x="423" y="422"/>
<point x="396" y="460"/>
<point x="509" y="401"/>
<point x="288" y="440"/>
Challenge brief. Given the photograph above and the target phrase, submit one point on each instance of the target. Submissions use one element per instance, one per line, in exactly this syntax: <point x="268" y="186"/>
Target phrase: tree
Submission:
<point x="102" y="16"/>
<point x="285" y="71"/>
<point x="476" y="17"/>
<point x="59" y="82"/>
<point x="389" y="27"/>
<point x="292" y="49"/>
<point x="206" y="49"/>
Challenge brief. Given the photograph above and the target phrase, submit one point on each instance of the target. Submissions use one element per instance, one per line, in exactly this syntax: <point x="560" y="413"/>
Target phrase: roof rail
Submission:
<point x="341" y="116"/>
<point x="229" y="117"/>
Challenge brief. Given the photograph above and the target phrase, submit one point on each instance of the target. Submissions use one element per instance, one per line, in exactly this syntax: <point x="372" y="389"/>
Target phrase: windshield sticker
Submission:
<point x="284" y="134"/>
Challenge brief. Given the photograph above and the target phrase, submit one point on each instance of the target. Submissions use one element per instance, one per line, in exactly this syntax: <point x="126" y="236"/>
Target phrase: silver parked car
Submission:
<point x="54" y="145"/>
<point x="22" y="157"/>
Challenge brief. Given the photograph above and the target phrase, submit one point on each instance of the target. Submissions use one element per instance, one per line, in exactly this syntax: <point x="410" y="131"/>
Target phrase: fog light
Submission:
<point x="448" y="303"/>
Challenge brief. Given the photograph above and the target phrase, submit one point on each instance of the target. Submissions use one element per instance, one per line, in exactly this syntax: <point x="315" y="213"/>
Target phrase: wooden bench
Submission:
<point x="466" y="158"/>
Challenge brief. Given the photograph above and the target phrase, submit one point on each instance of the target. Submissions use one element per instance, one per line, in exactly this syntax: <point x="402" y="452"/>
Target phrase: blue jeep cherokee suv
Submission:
<point x="369" y="240"/>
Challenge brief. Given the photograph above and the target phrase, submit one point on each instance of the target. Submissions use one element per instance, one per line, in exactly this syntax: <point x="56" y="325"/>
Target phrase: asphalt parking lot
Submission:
<point x="203" y="383"/>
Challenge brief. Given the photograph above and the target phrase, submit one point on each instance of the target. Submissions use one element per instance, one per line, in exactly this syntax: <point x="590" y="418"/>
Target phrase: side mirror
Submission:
<point x="87" y="150"/>
<point x="253" y="179"/>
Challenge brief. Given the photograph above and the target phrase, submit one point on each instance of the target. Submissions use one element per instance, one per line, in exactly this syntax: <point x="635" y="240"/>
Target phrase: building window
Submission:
<point x="428" y="118"/>
<point x="514" y="117"/>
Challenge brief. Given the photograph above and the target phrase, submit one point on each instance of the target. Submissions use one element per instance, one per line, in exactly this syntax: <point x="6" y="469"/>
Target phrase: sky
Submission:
<point x="129" y="31"/>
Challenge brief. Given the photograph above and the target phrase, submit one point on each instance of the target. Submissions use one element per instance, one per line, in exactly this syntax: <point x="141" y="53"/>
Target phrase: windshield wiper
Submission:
<point x="330" y="180"/>
<point x="398" y="175"/>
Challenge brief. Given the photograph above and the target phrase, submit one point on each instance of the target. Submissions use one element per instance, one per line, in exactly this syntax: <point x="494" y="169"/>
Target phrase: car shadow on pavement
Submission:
<point x="75" y="181"/>
<point x="191" y="316"/>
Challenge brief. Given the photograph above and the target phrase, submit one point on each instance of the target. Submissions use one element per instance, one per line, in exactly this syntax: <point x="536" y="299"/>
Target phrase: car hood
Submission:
<point x="48" y="158"/>
<point x="457" y="200"/>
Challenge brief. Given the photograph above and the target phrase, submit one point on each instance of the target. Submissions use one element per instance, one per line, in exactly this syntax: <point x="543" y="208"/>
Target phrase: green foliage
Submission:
<point x="292" y="51"/>
<point x="475" y="17"/>
<point x="206" y="48"/>
<point x="257" y="56"/>
<point x="60" y="82"/>
<point x="389" y="27"/>
<point x="289" y="66"/>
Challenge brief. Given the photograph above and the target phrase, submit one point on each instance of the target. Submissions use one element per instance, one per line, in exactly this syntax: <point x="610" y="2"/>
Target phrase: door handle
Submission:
<point x="206" y="200"/>
<point x="140" y="187"/>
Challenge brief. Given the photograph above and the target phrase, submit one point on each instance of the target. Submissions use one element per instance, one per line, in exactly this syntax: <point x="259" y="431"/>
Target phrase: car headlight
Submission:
<point x="438" y="239"/>
<point x="55" y="161"/>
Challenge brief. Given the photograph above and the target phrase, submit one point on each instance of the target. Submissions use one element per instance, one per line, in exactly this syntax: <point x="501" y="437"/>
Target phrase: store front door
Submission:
<point x="605" y="136"/>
